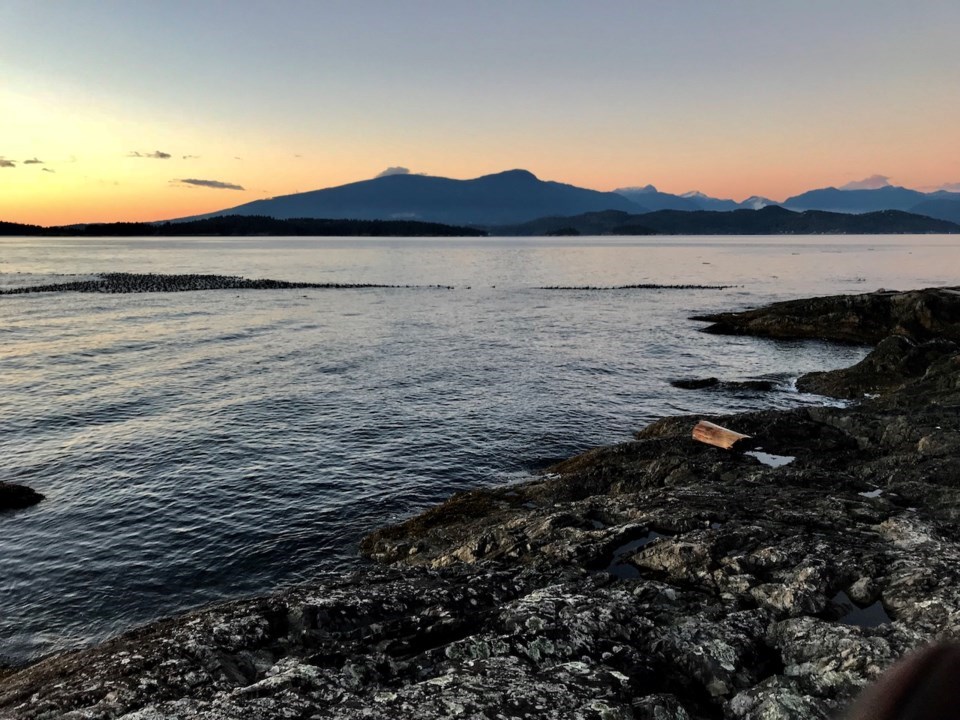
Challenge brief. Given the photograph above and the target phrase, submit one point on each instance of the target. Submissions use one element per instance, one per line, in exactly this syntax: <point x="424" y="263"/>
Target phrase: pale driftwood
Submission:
<point x="713" y="434"/>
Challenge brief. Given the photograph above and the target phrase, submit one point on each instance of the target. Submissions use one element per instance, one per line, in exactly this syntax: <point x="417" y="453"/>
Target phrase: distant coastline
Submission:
<point x="770" y="220"/>
<point x="246" y="226"/>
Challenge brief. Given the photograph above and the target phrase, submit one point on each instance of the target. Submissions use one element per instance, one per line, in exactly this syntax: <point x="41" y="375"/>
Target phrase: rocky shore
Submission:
<point x="656" y="579"/>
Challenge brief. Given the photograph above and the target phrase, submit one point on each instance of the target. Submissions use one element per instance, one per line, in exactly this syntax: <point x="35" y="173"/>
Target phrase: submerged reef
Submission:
<point x="659" y="578"/>
<point x="121" y="282"/>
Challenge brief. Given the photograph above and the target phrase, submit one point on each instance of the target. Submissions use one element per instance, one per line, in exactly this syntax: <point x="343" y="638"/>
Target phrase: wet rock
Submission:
<point x="894" y="362"/>
<point x="17" y="497"/>
<point x="865" y="319"/>
<point x="694" y="383"/>
<point x="753" y="385"/>
<point x="735" y="385"/>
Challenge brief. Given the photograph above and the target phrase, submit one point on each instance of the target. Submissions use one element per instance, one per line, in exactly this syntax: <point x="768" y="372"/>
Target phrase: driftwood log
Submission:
<point x="721" y="437"/>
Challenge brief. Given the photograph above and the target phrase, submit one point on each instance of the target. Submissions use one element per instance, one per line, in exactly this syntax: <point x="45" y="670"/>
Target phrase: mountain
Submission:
<point x="771" y="220"/>
<point x="509" y="197"/>
<point x="705" y="202"/>
<point x="940" y="207"/>
<point x="652" y="199"/>
<point x="606" y="222"/>
<point x="757" y="202"/>
<point x="890" y="197"/>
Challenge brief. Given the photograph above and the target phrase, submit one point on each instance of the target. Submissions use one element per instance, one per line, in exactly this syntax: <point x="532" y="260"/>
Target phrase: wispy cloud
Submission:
<point x="191" y="157"/>
<point x="949" y="187"/>
<point x="874" y="182"/>
<point x="6" y="163"/>
<point x="394" y="171"/>
<point x="33" y="161"/>
<point x="47" y="170"/>
<point x="215" y="184"/>
<point x="155" y="155"/>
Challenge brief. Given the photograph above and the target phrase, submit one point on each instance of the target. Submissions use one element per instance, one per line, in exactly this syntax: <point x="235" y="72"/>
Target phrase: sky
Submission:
<point x="141" y="110"/>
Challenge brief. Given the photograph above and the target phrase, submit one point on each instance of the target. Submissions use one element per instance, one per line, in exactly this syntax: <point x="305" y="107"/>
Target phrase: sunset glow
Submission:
<point x="107" y="108"/>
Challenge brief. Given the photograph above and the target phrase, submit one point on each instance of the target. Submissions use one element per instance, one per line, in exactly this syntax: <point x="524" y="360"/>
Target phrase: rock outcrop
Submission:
<point x="867" y="319"/>
<point x="896" y="361"/>
<point x="17" y="497"/>
<point x="659" y="578"/>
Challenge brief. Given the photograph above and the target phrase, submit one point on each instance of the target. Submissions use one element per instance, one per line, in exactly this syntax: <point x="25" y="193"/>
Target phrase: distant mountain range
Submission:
<point x="860" y="201"/>
<point x="652" y="199"/>
<point x="508" y="197"/>
<point x="772" y="220"/>
<point x="518" y="203"/>
<point x="515" y="197"/>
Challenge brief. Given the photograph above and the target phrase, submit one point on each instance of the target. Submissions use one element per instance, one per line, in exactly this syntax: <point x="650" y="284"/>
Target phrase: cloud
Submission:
<point x="637" y="189"/>
<point x="34" y="161"/>
<point x="874" y="182"/>
<point x="191" y="157"/>
<point x="155" y="155"/>
<point x="216" y="184"/>
<point x="6" y="163"/>
<point x="949" y="187"/>
<point x="394" y="171"/>
<point x="47" y="170"/>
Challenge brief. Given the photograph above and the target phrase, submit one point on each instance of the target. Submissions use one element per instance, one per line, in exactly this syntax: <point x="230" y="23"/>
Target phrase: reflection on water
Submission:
<point x="196" y="446"/>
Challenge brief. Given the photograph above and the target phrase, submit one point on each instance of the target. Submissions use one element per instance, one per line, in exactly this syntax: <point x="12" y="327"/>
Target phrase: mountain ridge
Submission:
<point x="770" y="220"/>
<point x="496" y="199"/>
<point x="517" y="196"/>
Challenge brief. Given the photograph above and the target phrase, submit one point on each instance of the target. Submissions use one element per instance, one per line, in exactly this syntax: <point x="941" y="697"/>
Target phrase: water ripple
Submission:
<point x="197" y="446"/>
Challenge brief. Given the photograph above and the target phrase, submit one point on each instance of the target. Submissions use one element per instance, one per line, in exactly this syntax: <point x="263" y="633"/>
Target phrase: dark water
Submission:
<point x="198" y="446"/>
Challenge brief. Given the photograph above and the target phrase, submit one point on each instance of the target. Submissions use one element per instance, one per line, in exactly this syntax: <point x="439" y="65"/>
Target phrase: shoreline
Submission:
<point x="655" y="576"/>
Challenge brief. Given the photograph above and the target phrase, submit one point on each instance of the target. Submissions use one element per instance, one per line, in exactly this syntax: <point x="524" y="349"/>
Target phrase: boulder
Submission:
<point x="17" y="497"/>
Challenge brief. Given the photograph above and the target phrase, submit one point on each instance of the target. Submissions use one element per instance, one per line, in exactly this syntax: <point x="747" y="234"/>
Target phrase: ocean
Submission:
<point x="201" y="446"/>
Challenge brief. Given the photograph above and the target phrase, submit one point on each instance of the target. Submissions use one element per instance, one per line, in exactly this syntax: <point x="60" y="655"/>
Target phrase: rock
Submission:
<point x="17" y="497"/>
<point x="694" y="383"/>
<point x="701" y="383"/>
<point x="753" y="385"/>
<point x="778" y="698"/>
<point x="921" y="315"/>
<point x="894" y="362"/>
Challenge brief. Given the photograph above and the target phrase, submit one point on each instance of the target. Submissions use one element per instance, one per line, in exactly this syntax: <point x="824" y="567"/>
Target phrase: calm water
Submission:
<point x="198" y="446"/>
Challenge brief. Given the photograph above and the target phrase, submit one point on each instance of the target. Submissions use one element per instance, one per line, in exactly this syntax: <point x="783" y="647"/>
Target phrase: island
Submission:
<point x="657" y="578"/>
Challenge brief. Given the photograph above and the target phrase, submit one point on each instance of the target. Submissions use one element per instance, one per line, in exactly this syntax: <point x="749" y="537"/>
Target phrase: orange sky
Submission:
<point x="101" y="120"/>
